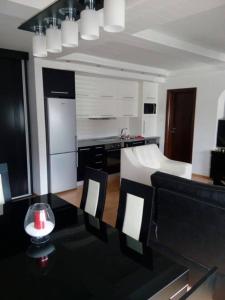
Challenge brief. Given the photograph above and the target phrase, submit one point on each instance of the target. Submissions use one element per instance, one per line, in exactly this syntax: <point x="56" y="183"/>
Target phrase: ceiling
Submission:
<point x="167" y="34"/>
<point x="40" y="4"/>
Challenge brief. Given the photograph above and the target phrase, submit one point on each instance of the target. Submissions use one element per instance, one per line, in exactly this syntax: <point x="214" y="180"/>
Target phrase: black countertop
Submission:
<point x="111" y="140"/>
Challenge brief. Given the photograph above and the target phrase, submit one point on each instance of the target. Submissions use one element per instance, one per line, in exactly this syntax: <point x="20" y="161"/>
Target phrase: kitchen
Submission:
<point x="103" y="106"/>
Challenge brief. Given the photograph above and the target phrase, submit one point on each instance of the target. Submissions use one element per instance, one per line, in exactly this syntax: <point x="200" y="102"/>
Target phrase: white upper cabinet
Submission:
<point x="150" y="92"/>
<point x="127" y="89"/>
<point x="127" y="97"/>
<point x="87" y="97"/>
<point x="105" y="97"/>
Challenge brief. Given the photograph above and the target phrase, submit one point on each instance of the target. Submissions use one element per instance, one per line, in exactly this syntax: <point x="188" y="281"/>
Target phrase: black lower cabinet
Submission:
<point x="93" y="157"/>
<point x="84" y="160"/>
<point x="217" y="171"/>
<point x="13" y="149"/>
<point x="98" y="161"/>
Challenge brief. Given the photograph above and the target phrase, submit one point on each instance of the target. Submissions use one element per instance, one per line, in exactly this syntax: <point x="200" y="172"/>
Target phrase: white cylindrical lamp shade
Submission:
<point x="114" y="15"/>
<point x="39" y="45"/>
<point x="89" y="25"/>
<point x="101" y="17"/>
<point x="54" y="40"/>
<point x="69" y="33"/>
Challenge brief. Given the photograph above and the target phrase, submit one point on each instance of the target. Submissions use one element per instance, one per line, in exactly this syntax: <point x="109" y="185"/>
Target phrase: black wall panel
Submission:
<point x="12" y="125"/>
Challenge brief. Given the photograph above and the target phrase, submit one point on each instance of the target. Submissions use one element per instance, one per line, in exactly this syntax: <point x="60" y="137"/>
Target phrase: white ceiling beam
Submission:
<point x="98" y="71"/>
<point x="166" y="40"/>
<point x="110" y="63"/>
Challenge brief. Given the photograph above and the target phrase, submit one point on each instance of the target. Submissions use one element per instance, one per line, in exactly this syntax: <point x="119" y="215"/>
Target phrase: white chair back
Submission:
<point x="133" y="216"/>
<point x="92" y="197"/>
<point x="2" y="198"/>
<point x="94" y="192"/>
<point x="135" y="209"/>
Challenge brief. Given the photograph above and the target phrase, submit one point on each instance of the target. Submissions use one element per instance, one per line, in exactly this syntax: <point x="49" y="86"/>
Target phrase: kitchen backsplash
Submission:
<point x="100" y="128"/>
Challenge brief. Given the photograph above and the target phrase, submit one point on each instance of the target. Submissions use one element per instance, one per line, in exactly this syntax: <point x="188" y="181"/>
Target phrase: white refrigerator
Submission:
<point x="62" y="144"/>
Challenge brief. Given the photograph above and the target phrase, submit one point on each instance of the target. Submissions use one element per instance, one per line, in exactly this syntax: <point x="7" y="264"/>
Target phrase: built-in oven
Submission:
<point x="113" y="158"/>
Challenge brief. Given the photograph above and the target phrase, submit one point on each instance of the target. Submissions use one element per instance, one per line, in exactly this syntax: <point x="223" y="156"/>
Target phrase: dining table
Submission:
<point x="84" y="258"/>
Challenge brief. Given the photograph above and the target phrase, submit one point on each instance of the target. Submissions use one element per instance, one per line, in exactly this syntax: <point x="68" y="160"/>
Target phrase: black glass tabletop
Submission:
<point x="84" y="259"/>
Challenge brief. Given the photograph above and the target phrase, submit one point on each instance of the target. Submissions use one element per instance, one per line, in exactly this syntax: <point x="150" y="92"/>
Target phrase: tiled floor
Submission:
<point x="112" y="198"/>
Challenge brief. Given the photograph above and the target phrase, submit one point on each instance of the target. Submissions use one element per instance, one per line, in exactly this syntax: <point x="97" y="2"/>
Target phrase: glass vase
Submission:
<point x="39" y="222"/>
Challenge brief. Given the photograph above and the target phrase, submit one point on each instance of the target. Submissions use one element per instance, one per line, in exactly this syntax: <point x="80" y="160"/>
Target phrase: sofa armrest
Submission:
<point x="178" y="168"/>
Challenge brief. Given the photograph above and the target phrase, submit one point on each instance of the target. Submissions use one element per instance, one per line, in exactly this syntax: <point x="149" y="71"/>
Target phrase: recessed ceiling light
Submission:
<point x="40" y="4"/>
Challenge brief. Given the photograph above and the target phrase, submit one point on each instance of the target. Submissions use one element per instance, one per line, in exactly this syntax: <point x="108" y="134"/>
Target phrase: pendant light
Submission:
<point x="39" y="43"/>
<point x="114" y="15"/>
<point x="53" y="35"/>
<point x="63" y="26"/>
<point x="101" y="17"/>
<point x="89" y="23"/>
<point x="69" y="28"/>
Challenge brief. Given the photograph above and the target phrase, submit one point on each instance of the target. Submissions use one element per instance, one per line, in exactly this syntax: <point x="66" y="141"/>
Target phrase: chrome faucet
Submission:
<point x="123" y="133"/>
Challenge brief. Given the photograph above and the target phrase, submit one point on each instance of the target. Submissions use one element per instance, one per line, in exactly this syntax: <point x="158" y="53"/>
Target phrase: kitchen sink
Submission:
<point x="117" y="139"/>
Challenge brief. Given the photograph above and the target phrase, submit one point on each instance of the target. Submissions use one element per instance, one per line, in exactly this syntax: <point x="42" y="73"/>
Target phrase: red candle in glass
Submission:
<point x="39" y="219"/>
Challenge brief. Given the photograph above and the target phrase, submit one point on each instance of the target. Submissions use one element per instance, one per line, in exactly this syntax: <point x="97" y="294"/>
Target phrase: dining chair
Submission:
<point x="94" y="192"/>
<point x="135" y="209"/>
<point x="5" y="192"/>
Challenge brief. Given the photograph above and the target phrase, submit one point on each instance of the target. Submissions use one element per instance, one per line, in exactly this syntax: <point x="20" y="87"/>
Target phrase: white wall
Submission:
<point x="100" y="128"/>
<point x="210" y="86"/>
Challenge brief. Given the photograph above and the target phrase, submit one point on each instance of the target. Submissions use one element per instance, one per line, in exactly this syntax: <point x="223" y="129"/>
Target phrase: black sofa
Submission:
<point x="190" y="218"/>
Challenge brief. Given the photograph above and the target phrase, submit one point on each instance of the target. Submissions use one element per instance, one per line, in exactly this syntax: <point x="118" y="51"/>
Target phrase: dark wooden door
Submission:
<point x="180" y="116"/>
<point x="12" y="125"/>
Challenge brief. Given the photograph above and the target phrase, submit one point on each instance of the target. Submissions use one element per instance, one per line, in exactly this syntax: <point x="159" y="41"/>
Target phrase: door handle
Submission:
<point x="173" y="130"/>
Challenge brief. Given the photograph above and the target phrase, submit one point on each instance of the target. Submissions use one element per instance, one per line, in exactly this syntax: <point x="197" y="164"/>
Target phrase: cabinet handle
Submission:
<point x="84" y="95"/>
<point x="113" y="150"/>
<point x="144" y="127"/>
<point x="129" y="98"/>
<point x="105" y="115"/>
<point x="58" y="92"/>
<point x="99" y="147"/>
<point x="104" y="96"/>
<point x="85" y="149"/>
<point x="99" y="162"/>
<point x="150" y="97"/>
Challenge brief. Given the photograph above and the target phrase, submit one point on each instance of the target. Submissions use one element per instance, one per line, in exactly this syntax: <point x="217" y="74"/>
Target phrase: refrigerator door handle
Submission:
<point x="76" y="146"/>
<point x="77" y="161"/>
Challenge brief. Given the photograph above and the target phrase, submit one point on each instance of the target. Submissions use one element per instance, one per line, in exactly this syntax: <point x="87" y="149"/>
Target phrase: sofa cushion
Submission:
<point x="204" y="192"/>
<point x="192" y="228"/>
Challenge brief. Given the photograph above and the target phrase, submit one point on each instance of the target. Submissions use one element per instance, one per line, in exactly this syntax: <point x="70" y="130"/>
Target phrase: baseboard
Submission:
<point x="201" y="176"/>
